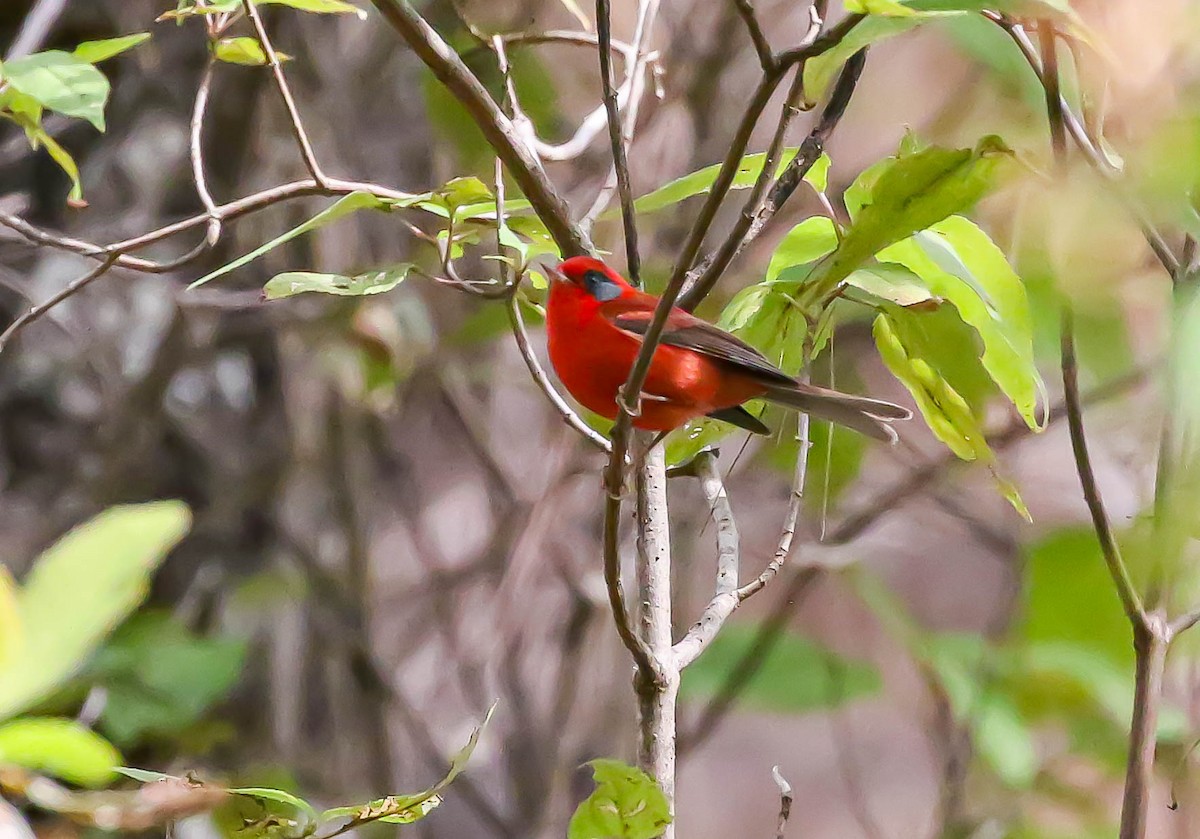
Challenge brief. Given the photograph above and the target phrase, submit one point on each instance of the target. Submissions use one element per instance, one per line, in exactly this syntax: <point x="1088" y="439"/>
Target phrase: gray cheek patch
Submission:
<point x="600" y="286"/>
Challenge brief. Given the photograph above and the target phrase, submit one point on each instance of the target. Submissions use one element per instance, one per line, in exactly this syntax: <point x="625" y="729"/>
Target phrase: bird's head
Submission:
<point x="591" y="276"/>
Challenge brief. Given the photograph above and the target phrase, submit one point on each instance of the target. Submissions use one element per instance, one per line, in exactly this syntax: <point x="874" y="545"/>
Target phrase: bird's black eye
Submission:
<point x="600" y="286"/>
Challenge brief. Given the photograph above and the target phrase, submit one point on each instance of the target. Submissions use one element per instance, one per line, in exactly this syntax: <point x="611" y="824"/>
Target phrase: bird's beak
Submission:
<point x="556" y="275"/>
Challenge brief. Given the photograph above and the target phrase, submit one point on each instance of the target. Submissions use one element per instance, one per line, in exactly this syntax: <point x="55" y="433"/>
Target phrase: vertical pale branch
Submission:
<point x="656" y="699"/>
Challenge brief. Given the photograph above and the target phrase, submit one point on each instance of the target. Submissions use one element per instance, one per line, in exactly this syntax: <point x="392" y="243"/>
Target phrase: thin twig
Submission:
<point x="497" y="128"/>
<point x="543" y="381"/>
<point x="633" y="262"/>
<point x="785" y="801"/>
<point x="285" y="93"/>
<point x="197" y="152"/>
<point x="784" y="549"/>
<point x="725" y="598"/>
<point x="762" y="47"/>
<point x="35" y="312"/>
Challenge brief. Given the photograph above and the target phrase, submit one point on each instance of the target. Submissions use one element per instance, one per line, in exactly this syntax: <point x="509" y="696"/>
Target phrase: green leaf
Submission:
<point x="808" y="241"/>
<point x="796" y="676"/>
<point x="280" y="797"/>
<point x="464" y="192"/>
<point x="160" y="678"/>
<point x="96" y="574"/>
<point x="820" y="70"/>
<point x="59" y="747"/>
<point x="626" y="804"/>
<point x="405" y="809"/>
<point x="344" y="206"/>
<point x="245" y="51"/>
<point x="701" y="181"/>
<point x="370" y="282"/>
<point x="911" y="193"/>
<point x="818" y="175"/>
<point x="145" y="776"/>
<point x="883" y="284"/>
<point x="93" y="52"/>
<point x="959" y="263"/>
<point x="326" y="7"/>
<point x="60" y="82"/>
<point x="946" y="413"/>
<point x="891" y="8"/>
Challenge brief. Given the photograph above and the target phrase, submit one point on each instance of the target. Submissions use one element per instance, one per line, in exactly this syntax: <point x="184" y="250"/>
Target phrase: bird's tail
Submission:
<point x="872" y="417"/>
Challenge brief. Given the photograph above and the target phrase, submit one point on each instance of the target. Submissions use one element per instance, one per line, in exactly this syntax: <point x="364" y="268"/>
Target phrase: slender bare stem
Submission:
<point x="497" y="128"/>
<point x="1150" y="642"/>
<point x="633" y="261"/>
<point x="285" y="93"/>
<point x="725" y="597"/>
<point x="785" y="801"/>
<point x="197" y="152"/>
<point x="35" y="312"/>
<point x="762" y="47"/>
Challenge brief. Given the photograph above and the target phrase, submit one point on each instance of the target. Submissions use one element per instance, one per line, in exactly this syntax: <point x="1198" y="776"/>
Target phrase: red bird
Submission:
<point x="595" y="321"/>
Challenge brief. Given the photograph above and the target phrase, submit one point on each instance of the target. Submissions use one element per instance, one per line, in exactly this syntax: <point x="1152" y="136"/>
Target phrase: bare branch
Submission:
<point x="790" y="521"/>
<point x="762" y="47"/>
<point x="543" y="381"/>
<point x="785" y="801"/>
<point x="725" y="599"/>
<point x="197" y="152"/>
<point x="35" y="312"/>
<point x="498" y="129"/>
<point x="285" y="93"/>
<point x="1150" y="641"/>
<point x="633" y="261"/>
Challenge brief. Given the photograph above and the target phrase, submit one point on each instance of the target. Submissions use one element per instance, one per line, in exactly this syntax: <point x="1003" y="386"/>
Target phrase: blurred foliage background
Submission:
<point x="389" y="528"/>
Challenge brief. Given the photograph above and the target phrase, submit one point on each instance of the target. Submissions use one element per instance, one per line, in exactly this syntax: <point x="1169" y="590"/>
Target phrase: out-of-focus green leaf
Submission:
<point x="280" y="797"/>
<point x="959" y="263"/>
<point x="405" y="809"/>
<point x="913" y="192"/>
<point x="61" y="82"/>
<point x="796" y="676"/>
<point x="93" y="52"/>
<point x="626" y="804"/>
<point x="889" y="8"/>
<point x="96" y="575"/>
<point x="10" y="619"/>
<point x="59" y="747"/>
<point x="344" y="206"/>
<point x="144" y="776"/>
<point x="701" y="181"/>
<point x="818" y="175"/>
<point x="1069" y="597"/>
<point x="160" y="678"/>
<point x="326" y="7"/>
<point x="245" y="51"/>
<point x="371" y="282"/>
<point x="820" y="70"/>
<point x="990" y="46"/>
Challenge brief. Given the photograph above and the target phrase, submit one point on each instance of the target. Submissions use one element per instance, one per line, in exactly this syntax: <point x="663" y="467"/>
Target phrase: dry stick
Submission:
<point x="785" y="801"/>
<point x="757" y="210"/>
<point x="285" y="93"/>
<point x="725" y="598"/>
<point x="447" y="66"/>
<point x="35" y="312"/>
<point x="762" y="46"/>
<point x="213" y="232"/>
<point x="853" y="525"/>
<point x="633" y="261"/>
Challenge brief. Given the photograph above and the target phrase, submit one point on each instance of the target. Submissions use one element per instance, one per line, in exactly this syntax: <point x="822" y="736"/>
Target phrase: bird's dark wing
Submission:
<point x="691" y="333"/>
